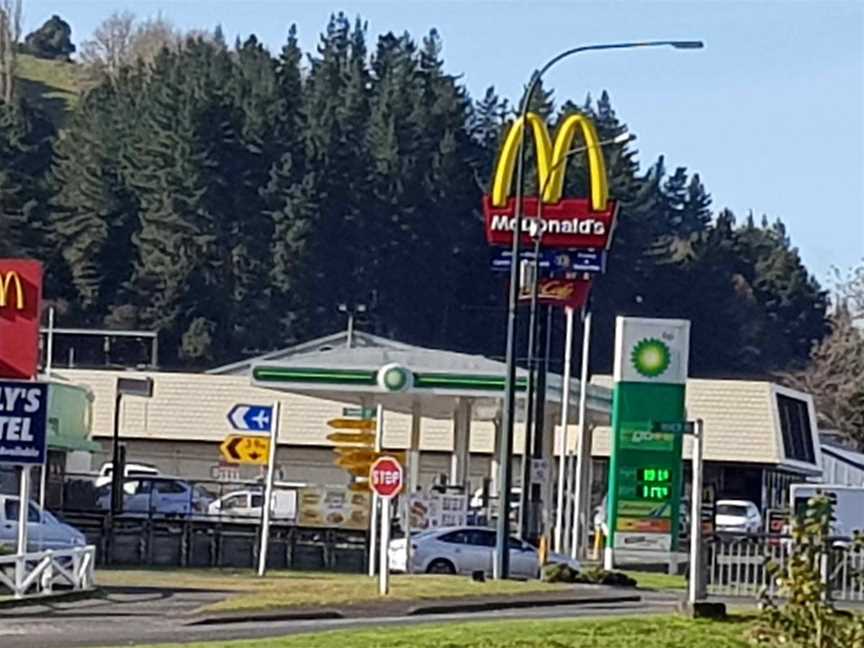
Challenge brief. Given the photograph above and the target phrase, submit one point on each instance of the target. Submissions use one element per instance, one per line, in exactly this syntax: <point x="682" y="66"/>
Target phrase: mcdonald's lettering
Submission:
<point x="11" y="281"/>
<point x="500" y="222"/>
<point x="565" y="222"/>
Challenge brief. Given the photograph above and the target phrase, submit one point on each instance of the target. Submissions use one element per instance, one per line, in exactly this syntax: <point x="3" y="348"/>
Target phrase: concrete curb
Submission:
<point x="402" y="609"/>
<point x="490" y="606"/>
<point x="265" y="617"/>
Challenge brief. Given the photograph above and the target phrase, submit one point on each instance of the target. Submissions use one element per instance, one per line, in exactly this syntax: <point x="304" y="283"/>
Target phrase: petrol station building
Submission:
<point x="760" y="436"/>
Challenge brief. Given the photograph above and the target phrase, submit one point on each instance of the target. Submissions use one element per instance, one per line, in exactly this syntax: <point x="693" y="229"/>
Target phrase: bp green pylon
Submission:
<point x="651" y="357"/>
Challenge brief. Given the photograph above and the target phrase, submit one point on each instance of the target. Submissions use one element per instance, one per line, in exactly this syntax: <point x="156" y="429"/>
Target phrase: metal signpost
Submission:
<point x="252" y="448"/>
<point x="696" y="587"/>
<point x="582" y="472"/>
<point x="268" y="489"/>
<point x="373" y="518"/>
<point x="142" y="388"/>
<point x="386" y="479"/>
<point x="565" y="411"/>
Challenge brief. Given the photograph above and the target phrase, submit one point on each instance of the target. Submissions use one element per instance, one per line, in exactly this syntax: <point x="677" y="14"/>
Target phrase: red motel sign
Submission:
<point x="386" y="477"/>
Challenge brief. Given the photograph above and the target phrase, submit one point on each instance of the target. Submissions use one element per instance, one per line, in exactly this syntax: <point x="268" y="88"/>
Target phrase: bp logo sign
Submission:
<point x="650" y="357"/>
<point x="395" y="378"/>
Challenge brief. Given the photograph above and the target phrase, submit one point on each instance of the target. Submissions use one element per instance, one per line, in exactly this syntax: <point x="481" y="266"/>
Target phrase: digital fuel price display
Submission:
<point x="653" y="484"/>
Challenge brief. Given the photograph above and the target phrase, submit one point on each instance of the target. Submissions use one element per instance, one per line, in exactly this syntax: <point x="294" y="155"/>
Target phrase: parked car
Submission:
<point x="163" y="496"/>
<point x="737" y="516"/>
<point x="247" y="504"/>
<point x="465" y="550"/>
<point x="44" y="531"/>
<point x="130" y="470"/>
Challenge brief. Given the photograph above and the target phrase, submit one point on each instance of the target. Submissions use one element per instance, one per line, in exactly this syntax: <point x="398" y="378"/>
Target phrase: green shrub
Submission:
<point x="560" y="573"/>
<point x="807" y="618"/>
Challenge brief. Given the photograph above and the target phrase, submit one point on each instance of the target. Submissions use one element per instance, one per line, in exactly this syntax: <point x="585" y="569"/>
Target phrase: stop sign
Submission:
<point x="386" y="476"/>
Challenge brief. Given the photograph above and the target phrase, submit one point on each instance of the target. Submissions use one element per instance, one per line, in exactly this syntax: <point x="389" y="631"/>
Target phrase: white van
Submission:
<point x="848" y="505"/>
<point x="130" y="470"/>
<point x="246" y="504"/>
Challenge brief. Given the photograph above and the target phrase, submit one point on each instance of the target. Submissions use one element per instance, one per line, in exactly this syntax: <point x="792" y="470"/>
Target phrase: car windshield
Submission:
<point x="737" y="510"/>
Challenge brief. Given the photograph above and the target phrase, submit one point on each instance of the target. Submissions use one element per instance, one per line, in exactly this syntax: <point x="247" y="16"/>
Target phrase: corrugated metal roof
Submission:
<point x="338" y="340"/>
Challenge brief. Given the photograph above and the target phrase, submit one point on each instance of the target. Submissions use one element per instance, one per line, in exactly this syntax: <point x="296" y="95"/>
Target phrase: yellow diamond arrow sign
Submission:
<point x="351" y="424"/>
<point x="237" y="449"/>
<point x="361" y="439"/>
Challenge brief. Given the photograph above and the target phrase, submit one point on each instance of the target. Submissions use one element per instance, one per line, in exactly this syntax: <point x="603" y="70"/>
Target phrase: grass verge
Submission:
<point x="658" y="580"/>
<point x="52" y="85"/>
<point x="621" y="632"/>
<point x="305" y="589"/>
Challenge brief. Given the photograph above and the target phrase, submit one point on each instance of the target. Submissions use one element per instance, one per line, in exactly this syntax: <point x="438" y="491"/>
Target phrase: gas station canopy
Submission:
<point x="428" y="382"/>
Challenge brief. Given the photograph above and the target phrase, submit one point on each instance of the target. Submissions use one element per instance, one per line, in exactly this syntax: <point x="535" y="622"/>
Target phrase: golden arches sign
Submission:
<point x="550" y="159"/>
<point x="7" y="282"/>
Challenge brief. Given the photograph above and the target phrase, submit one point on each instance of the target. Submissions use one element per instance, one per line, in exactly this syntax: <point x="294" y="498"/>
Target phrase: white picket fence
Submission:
<point x="737" y="566"/>
<point x="37" y="574"/>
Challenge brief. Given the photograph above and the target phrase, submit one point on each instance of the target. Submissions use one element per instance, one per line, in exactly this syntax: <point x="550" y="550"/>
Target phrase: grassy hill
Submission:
<point x="52" y="85"/>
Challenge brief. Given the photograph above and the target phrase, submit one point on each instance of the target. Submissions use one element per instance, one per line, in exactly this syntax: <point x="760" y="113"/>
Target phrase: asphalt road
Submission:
<point x="131" y="618"/>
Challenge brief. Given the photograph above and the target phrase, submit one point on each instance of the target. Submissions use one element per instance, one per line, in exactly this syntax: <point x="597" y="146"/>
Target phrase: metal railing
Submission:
<point x="36" y="574"/>
<point x="738" y="566"/>
<point x="184" y="530"/>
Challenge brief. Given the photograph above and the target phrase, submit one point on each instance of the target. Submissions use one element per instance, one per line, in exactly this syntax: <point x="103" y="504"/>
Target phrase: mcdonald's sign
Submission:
<point x="572" y="293"/>
<point x="571" y="223"/>
<point x="20" y="312"/>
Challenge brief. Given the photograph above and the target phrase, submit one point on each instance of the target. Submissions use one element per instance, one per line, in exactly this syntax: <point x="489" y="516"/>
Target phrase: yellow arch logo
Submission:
<point x="7" y="281"/>
<point x="550" y="159"/>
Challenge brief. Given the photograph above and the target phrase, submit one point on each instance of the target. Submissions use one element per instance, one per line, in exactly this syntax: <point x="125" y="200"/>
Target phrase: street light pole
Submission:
<point x="502" y="553"/>
<point x="351" y="311"/>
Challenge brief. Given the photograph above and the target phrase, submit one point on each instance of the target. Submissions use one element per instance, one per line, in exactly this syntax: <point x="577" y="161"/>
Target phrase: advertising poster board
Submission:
<point x="334" y="507"/>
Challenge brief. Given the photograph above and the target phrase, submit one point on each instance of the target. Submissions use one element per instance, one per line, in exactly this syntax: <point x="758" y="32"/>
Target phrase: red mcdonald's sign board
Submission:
<point x="566" y="223"/>
<point x="572" y="293"/>
<point x="20" y="313"/>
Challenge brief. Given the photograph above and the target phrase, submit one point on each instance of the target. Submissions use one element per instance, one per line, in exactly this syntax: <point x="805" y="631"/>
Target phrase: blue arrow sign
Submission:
<point x="251" y="418"/>
<point x="555" y="261"/>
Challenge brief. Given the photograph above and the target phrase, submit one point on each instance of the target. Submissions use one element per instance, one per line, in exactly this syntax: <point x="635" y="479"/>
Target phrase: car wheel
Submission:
<point x="441" y="566"/>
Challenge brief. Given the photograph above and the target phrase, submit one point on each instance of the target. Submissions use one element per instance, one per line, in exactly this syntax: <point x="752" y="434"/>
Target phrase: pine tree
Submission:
<point x="24" y="152"/>
<point x="177" y="276"/>
<point x="336" y="114"/>
<point x="94" y="210"/>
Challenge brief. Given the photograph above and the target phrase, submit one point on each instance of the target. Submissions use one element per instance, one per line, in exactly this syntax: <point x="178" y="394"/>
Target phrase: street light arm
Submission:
<point x="677" y="44"/>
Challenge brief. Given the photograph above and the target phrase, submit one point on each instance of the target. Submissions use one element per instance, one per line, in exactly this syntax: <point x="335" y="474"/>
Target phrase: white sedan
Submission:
<point x="737" y="516"/>
<point x="465" y="550"/>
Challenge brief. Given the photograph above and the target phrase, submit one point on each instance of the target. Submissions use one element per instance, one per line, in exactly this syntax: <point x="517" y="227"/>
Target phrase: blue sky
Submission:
<point x="771" y="113"/>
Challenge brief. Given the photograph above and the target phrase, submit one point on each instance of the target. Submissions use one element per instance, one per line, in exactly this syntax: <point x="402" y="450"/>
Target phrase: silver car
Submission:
<point x="465" y="550"/>
<point x="44" y="531"/>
